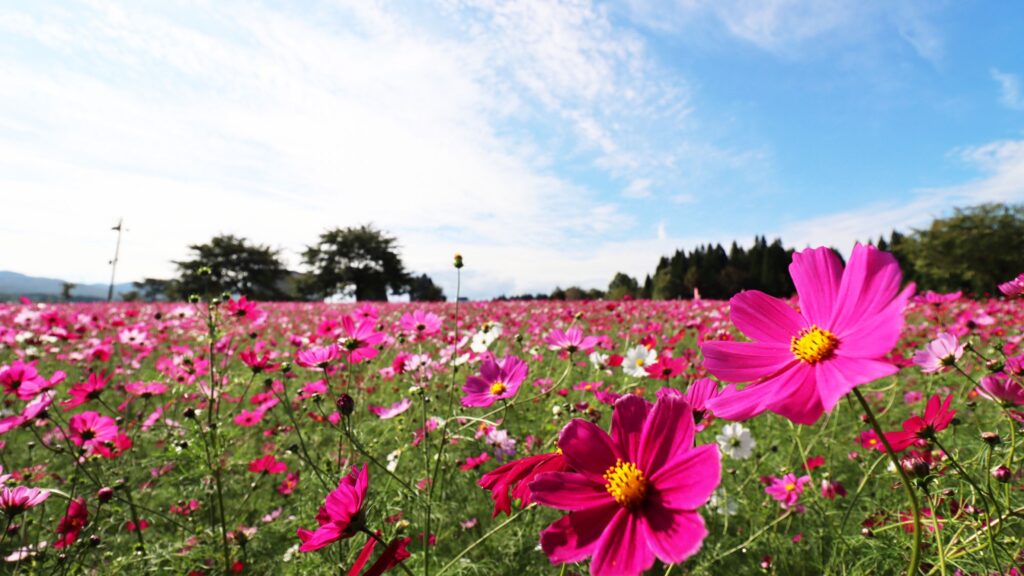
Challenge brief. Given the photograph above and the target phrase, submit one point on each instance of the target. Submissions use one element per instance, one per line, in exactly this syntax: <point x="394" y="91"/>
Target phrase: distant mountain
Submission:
<point x="14" y="285"/>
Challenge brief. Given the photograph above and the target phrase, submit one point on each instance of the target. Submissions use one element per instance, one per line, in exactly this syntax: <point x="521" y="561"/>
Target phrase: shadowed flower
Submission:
<point x="498" y="380"/>
<point x="341" y="516"/>
<point x="76" y="518"/>
<point x="802" y="363"/>
<point x="511" y="481"/>
<point x="1001" y="387"/>
<point x="14" y="501"/>
<point x="634" y="494"/>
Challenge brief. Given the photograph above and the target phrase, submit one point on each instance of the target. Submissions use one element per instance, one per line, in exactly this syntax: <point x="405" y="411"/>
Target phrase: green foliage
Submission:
<point x="714" y="273"/>
<point x="423" y="289"/>
<point x="973" y="250"/>
<point x="230" y="264"/>
<point x="622" y="285"/>
<point x="360" y="260"/>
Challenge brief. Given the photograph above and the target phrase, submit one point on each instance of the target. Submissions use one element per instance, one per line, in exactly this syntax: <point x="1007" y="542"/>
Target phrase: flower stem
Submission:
<point x="479" y="541"/>
<point x="911" y="496"/>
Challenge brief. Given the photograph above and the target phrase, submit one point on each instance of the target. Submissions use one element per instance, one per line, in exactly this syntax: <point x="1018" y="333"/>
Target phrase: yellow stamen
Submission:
<point x="639" y="361"/>
<point x="498" y="388"/>
<point x="812" y="345"/>
<point x="790" y="487"/>
<point x="626" y="483"/>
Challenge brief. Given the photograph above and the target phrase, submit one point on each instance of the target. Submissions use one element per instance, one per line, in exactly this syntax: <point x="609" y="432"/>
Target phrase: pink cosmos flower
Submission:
<point x="14" y="501"/>
<point x="511" y="481"/>
<point x="91" y="429"/>
<point x="940" y="355"/>
<point x="634" y="494"/>
<point x="84" y="391"/>
<point x="787" y="490"/>
<point x="1013" y="288"/>
<point x="1001" y="387"/>
<point x="359" y="340"/>
<point x="317" y="357"/>
<point x="386" y="413"/>
<point x="666" y="367"/>
<point x="258" y="363"/>
<point x="498" y="380"/>
<point x="145" y="389"/>
<point x="23" y="380"/>
<point x="341" y="515"/>
<point x="245" y="309"/>
<point x="76" y="518"/>
<point x="918" y="429"/>
<point x="802" y="363"/>
<point x="572" y="340"/>
<point x="420" y="323"/>
<point x="268" y="464"/>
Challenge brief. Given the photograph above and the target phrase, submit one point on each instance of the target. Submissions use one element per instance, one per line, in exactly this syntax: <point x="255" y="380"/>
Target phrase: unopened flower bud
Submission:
<point x="345" y="404"/>
<point x="916" y="467"/>
<point x="458" y="260"/>
<point x="991" y="438"/>
<point x="105" y="494"/>
<point x="1002" y="474"/>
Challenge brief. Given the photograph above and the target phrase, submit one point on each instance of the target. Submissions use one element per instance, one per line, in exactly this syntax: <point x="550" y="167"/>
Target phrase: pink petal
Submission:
<point x="673" y="536"/>
<point x="622" y="549"/>
<point x="574" y="537"/>
<point x="687" y="481"/>
<point x="668" y="432"/>
<point x="568" y="491"/>
<point x="628" y="424"/>
<point x="733" y="404"/>
<point x="839" y="375"/>
<point x="817" y="273"/>
<point x="796" y="396"/>
<point x="870" y="282"/>
<point x="745" y="361"/>
<point x="319" y="538"/>
<point x="876" y="336"/>
<point x="587" y="448"/>
<point x="764" y="318"/>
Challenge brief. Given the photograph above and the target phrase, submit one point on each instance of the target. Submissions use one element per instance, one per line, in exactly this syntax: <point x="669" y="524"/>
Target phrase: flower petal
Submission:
<point x="817" y="274"/>
<point x="687" y="481"/>
<point x="668" y="432"/>
<point x="796" y="396"/>
<point x="568" y="491"/>
<point x="764" y="318"/>
<point x="674" y="536"/>
<point x="622" y="549"/>
<point x="837" y="376"/>
<point x="745" y="361"/>
<point x="574" y="537"/>
<point x="587" y="448"/>
<point x="870" y="282"/>
<point x="628" y="424"/>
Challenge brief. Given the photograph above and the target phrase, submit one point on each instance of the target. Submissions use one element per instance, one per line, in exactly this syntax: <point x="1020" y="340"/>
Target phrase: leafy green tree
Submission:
<point x="973" y="250"/>
<point x="155" y="289"/>
<point x="423" y="289"/>
<point x="622" y="285"/>
<point x="360" y="261"/>
<point x="228" y="263"/>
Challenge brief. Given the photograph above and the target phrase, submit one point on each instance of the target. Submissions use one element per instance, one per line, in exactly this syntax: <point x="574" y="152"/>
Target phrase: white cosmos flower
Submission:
<point x="736" y="441"/>
<point x="638" y="358"/>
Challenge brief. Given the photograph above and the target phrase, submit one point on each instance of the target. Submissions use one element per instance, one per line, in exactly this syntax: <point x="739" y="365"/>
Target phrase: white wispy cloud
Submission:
<point x="200" y="118"/>
<point x="1009" y="89"/>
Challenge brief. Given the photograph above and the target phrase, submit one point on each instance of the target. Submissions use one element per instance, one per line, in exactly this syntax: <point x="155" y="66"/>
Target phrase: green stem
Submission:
<point x="911" y="496"/>
<point x="479" y="541"/>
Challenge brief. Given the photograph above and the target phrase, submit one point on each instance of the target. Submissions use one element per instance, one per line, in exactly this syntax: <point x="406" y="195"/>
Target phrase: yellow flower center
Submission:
<point x="626" y="483"/>
<point x="639" y="361"/>
<point x="790" y="487"/>
<point x="812" y="345"/>
<point x="498" y="388"/>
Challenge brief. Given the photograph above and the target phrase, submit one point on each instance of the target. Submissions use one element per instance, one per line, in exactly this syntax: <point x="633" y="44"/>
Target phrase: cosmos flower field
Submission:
<point x="859" y="427"/>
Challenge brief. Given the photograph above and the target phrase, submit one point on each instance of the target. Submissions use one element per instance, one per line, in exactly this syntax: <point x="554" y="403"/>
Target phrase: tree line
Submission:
<point x="972" y="251"/>
<point x="361" y="262"/>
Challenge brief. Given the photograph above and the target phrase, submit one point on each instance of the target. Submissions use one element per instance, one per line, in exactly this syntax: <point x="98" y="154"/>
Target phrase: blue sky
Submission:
<point x="552" y="143"/>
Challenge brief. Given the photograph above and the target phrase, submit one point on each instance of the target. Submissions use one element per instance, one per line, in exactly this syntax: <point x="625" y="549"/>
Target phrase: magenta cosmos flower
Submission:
<point x="14" y="501"/>
<point x="91" y="429"/>
<point x="1013" y="287"/>
<point x="420" y="323"/>
<point x="341" y="516"/>
<point x="633" y="495"/>
<point x="572" y="340"/>
<point x="498" y="380"/>
<point x="802" y="363"/>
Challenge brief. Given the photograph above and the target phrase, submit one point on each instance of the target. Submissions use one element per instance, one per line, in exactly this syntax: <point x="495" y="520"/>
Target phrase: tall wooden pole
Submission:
<point x="113" y="263"/>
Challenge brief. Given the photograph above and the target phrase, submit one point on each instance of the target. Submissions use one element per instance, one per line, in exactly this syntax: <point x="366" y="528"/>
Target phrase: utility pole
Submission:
<point x="113" y="263"/>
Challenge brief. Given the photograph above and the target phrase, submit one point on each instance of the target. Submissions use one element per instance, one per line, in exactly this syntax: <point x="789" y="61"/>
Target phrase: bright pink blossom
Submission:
<point x="787" y="490"/>
<point x="420" y="324"/>
<point x="91" y="429"/>
<point x="388" y="412"/>
<point x="14" y="501"/>
<point x="317" y="357"/>
<point x="498" y="380"/>
<point x="939" y="355"/>
<point x="571" y="340"/>
<point x="268" y="464"/>
<point x="801" y="363"/>
<point x="84" y="391"/>
<point x="634" y="494"/>
<point x="1002" y="387"/>
<point x="359" y="340"/>
<point x="75" y="518"/>
<point x="511" y="481"/>
<point x="1013" y="287"/>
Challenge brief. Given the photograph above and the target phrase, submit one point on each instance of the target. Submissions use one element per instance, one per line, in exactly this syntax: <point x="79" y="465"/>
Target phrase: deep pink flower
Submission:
<point x="939" y="355"/>
<point x="258" y="363"/>
<point x="498" y="380"/>
<point x="145" y="389"/>
<point x="23" y="380"/>
<point x="341" y="515"/>
<point x="1002" y="387"/>
<point x="802" y="363"/>
<point x="634" y="494"/>
<point x="385" y="412"/>
<point x="91" y="429"/>
<point x="917" y="429"/>
<point x="787" y="490"/>
<point x="268" y="464"/>
<point x="14" y="501"/>
<point x="1013" y="287"/>
<point x="317" y="357"/>
<point x="76" y="518"/>
<point x="359" y="340"/>
<point x="84" y="391"/>
<point x="666" y="367"/>
<point x="420" y="324"/>
<point x="245" y="310"/>
<point x="511" y="481"/>
<point x="571" y="340"/>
